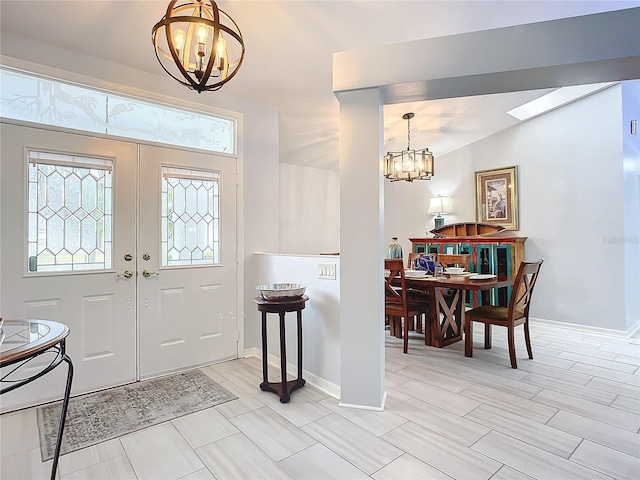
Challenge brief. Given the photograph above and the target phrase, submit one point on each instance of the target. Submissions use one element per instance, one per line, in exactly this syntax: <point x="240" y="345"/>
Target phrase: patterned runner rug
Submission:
<point x="101" y="416"/>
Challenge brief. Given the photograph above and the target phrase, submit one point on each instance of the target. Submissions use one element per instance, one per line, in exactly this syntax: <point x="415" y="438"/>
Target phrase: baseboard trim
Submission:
<point x="366" y="407"/>
<point x="320" y="383"/>
<point x="589" y="328"/>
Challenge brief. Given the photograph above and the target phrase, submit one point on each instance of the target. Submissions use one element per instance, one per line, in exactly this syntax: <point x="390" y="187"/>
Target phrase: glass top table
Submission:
<point x="22" y="341"/>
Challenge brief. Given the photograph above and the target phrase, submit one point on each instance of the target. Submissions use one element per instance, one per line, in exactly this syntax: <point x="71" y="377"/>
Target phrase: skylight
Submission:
<point x="555" y="99"/>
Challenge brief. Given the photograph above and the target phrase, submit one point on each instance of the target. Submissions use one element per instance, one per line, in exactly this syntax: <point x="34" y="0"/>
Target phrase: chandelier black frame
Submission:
<point x="409" y="165"/>
<point x="190" y="45"/>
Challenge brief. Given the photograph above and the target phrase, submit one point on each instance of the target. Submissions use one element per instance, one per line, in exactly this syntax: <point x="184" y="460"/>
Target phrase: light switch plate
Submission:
<point x="327" y="271"/>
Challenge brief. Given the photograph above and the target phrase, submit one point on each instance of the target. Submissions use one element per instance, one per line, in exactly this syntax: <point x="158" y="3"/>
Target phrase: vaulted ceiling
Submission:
<point x="289" y="57"/>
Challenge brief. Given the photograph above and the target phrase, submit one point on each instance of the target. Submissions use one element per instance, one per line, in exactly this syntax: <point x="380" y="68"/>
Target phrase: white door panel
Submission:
<point x="187" y="314"/>
<point x="98" y="306"/>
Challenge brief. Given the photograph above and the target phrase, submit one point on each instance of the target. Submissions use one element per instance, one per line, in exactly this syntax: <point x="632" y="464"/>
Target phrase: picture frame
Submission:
<point x="497" y="197"/>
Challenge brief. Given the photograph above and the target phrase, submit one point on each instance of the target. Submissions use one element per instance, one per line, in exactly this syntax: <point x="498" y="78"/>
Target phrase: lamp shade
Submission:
<point x="439" y="205"/>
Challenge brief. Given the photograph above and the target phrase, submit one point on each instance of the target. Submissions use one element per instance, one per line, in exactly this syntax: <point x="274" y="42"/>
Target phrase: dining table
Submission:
<point x="447" y="307"/>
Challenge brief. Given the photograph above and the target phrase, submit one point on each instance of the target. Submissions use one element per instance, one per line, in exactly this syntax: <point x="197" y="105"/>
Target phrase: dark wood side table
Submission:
<point x="23" y="341"/>
<point x="281" y="306"/>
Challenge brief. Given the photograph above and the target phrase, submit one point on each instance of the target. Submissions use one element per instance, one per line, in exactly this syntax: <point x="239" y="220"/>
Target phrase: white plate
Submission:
<point x="482" y="276"/>
<point x="415" y="273"/>
<point x="457" y="274"/>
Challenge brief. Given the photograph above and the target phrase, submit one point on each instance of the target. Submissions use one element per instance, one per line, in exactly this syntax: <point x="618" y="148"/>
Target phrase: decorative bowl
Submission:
<point x="277" y="291"/>
<point x="454" y="270"/>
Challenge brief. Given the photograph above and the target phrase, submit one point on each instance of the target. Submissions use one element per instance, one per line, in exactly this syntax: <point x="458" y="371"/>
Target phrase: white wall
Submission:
<point x="571" y="200"/>
<point x="320" y="318"/>
<point x="309" y="210"/>
<point x="631" y="174"/>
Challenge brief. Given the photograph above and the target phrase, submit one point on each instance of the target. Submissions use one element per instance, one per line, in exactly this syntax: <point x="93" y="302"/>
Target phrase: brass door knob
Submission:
<point x="126" y="274"/>
<point x="148" y="273"/>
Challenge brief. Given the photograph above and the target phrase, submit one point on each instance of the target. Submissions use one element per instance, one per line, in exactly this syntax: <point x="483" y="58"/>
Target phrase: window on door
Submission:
<point x="190" y="217"/>
<point x="70" y="212"/>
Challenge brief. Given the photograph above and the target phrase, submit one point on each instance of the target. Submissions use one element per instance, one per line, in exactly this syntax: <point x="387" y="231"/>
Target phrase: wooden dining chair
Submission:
<point x="396" y="303"/>
<point x="454" y="259"/>
<point x="516" y="314"/>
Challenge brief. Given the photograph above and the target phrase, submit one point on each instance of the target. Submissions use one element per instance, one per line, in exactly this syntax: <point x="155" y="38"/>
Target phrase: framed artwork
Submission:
<point x="497" y="197"/>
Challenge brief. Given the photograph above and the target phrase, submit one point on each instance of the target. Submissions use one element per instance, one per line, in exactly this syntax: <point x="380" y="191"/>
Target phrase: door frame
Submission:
<point x="240" y="314"/>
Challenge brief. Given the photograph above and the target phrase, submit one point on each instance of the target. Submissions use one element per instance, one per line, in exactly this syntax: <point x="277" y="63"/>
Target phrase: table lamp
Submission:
<point x="439" y="205"/>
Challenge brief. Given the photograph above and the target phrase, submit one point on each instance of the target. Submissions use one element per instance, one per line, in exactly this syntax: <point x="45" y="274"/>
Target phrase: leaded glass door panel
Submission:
<point x="187" y="251"/>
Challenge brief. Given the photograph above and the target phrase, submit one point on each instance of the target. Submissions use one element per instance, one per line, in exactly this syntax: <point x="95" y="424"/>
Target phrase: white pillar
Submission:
<point x="361" y="250"/>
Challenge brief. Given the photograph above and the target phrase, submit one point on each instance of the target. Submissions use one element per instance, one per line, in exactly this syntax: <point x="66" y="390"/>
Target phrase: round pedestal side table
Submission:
<point x="25" y="340"/>
<point x="281" y="306"/>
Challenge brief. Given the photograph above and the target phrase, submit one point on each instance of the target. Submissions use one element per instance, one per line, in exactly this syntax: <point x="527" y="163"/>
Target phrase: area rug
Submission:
<point x="101" y="416"/>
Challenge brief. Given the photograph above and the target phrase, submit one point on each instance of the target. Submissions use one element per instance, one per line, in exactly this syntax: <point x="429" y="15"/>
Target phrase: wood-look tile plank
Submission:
<point x="117" y="468"/>
<point x="625" y="348"/>
<point x="393" y="379"/>
<point x="89" y="456"/>
<point x="18" y="432"/>
<point x="147" y="450"/>
<point x="615" y="387"/>
<point x="355" y="444"/>
<point x="263" y="426"/>
<point x="607" y="373"/>
<point x="597" y="362"/>
<point x="442" y="454"/>
<point x="203" y="474"/>
<point x="243" y="404"/>
<point x="631" y="405"/>
<point x="407" y="467"/>
<point x="204" y="427"/>
<point x="531" y="460"/>
<point x="630" y="359"/>
<point x="547" y="438"/>
<point x="588" y="393"/>
<point x="433" y="377"/>
<point x="454" y="403"/>
<point x="582" y="349"/>
<point x="26" y="465"/>
<point x="569" y="403"/>
<point x="524" y="407"/>
<point x="377" y="423"/>
<point x="237" y="457"/>
<point x="501" y="381"/>
<point x="608" y="461"/>
<point x="555" y="372"/>
<point x="599" y="432"/>
<point x="318" y="462"/>
<point x="454" y="427"/>
<point x="302" y="408"/>
<point x="508" y="473"/>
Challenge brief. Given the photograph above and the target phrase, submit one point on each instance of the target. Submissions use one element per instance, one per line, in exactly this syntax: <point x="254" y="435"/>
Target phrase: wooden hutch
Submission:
<point x="492" y="249"/>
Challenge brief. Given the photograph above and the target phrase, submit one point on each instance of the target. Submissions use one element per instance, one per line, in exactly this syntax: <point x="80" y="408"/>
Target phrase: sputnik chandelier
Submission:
<point x="198" y="45"/>
<point x="409" y="164"/>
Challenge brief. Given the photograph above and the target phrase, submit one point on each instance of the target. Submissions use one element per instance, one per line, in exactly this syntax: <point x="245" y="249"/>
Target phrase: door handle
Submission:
<point x="126" y="274"/>
<point x="149" y="273"/>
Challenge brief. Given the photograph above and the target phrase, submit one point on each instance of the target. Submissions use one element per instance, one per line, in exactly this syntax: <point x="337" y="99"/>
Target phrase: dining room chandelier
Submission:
<point x="198" y="44"/>
<point x="409" y="165"/>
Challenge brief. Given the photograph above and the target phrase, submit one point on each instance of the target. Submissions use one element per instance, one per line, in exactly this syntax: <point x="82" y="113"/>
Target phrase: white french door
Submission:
<point x="124" y="325"/>
<point x="187" y="241"/>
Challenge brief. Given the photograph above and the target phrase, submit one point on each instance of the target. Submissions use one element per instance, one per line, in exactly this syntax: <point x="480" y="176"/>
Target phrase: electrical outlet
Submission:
<point x="327" y="271"/>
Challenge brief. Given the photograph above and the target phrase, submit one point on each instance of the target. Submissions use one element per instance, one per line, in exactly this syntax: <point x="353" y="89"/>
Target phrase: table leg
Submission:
<point x="299" y="345"/>
<point x="265" y="375"/>
<point x="450" y="330"/>
<point x="284" y="397"/>
<point x="63" y="415"/>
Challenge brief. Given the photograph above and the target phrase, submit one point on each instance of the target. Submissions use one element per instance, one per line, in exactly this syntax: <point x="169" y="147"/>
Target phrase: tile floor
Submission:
<point x="571" y="413"/>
